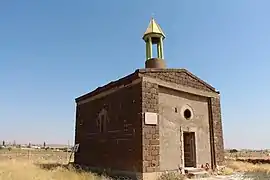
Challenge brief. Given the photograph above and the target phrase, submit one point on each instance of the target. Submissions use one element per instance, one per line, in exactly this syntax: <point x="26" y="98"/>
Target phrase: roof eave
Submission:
<point x="153" y="33"/>
<point x="107" y="86"/>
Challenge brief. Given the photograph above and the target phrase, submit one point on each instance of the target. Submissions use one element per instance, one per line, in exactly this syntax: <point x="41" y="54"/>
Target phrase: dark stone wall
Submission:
<point x="126" y="143"/>
<point x="217" y="131"/>
<point x="117" y="144"/>
<point x="150" y="132"/>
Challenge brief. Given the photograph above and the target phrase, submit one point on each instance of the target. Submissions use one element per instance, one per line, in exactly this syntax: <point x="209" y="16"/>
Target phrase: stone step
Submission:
<point x="196" y="173"/>
<point x="192" y="169"/>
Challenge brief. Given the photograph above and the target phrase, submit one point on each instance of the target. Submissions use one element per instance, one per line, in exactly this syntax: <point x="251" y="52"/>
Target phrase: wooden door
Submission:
<point x="189" y="149"/>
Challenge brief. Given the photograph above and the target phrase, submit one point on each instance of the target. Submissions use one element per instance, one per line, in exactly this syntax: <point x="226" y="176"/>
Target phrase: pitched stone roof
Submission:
<point x="173" y="70"/>
<point x="168" y="74"/>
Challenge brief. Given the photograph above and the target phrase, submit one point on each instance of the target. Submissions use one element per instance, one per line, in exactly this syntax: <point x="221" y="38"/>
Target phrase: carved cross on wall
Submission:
<point x="102" y="120"/>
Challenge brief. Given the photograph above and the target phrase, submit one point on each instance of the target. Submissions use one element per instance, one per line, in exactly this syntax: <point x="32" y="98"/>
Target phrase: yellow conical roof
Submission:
<point x="153" y="28"/>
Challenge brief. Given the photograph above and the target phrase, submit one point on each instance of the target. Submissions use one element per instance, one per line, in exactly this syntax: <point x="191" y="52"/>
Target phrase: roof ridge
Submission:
<point x="178" y="70"/>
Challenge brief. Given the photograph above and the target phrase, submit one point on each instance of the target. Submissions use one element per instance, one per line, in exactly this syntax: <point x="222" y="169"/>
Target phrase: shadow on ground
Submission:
<point x="108" y="176"/>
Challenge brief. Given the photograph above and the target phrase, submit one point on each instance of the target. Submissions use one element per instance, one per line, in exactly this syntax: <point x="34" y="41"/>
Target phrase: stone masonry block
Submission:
<point x="218" y="131"/>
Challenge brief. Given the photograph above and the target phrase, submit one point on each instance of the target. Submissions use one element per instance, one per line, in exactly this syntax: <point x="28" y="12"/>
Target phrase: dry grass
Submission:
<point x="21" y="170"/>
<point x="226" y="171"/>
<point x="248" y="167"/>
<point x="38" y="166"/>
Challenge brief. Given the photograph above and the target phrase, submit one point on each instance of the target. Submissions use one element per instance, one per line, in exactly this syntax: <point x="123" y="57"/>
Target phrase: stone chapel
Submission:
<point x="153" y="120"/>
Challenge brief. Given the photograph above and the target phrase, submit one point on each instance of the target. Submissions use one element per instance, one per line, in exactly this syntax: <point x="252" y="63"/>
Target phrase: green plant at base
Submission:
<point x="172" y="176"/>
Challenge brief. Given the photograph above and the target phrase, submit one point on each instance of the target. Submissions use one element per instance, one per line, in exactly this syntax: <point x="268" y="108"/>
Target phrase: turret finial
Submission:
<point x="154" y="35"/>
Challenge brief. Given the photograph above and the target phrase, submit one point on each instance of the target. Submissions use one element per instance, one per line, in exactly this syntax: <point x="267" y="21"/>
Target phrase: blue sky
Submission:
<point x="53" y="51"/>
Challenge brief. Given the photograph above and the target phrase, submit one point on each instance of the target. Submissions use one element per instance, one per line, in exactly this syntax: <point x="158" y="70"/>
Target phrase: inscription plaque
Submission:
<point x="150" y="118"/>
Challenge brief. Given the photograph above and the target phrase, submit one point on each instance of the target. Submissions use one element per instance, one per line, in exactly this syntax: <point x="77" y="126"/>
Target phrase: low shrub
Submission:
<point x="172" y="176"/>
<point x="226" y="171"/>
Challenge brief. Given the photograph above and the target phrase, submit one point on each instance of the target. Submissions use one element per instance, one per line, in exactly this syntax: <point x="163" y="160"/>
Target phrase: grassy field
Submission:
<point x="245" y="154"/>
<point x="20" y="164"/>
<point x="237" y="166"/>
<point x="39" y="165"/>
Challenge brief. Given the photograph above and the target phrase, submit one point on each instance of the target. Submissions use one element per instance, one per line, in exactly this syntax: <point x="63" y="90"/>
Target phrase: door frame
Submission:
<point x="193" y="147"/>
